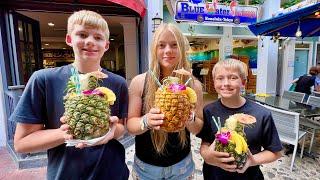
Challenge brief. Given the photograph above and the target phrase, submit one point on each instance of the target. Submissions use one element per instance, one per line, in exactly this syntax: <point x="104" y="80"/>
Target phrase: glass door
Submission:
<point x="28" y="46"/>
<point x="300" y="63"/>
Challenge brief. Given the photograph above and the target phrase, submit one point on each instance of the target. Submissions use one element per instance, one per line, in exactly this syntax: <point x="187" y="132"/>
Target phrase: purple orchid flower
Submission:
<point x="223" y="138"/>
<point x="177" y="87"/>
<point x="92" y="92"/>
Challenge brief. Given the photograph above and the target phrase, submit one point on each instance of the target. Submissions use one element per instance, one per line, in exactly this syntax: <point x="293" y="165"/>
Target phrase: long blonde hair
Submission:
<point x="160" y="138"/>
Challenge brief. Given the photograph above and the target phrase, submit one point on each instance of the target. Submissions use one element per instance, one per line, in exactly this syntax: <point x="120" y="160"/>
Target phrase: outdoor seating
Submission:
<point x="315" y="93"/>
<point x="287" y="124"/>
<point x="313" y="101"/>
<point x="311" y="124"/>
<point x="293" y="96"/>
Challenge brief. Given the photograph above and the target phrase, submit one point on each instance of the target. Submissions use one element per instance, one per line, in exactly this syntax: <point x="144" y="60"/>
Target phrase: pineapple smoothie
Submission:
<point x="88" y="108"/>
<point x="177" y="102"/>
<point x="232" y="139"/>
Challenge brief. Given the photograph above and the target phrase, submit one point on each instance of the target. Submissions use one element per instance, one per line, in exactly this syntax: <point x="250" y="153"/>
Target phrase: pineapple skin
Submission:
<point x="87" y="116"/>
<point x="240" y="159"/>
<point x="175" y="107"/>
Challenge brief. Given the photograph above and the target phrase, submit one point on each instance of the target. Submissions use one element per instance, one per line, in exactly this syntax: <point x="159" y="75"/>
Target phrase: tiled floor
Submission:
<point x="305" y="168"/>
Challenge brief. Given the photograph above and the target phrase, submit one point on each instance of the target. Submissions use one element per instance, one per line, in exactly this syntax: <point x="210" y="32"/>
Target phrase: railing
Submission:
<point x="23" y="160"/>
<point x="13" y="95"/>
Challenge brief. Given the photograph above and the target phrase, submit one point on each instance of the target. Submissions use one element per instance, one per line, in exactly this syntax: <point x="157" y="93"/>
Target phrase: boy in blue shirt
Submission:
<point x="229" y="77"/>
<point x="40" y="109"/>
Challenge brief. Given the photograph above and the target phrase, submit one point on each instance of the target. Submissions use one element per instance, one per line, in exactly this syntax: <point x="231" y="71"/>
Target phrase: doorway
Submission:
<point x="300" y="62"/>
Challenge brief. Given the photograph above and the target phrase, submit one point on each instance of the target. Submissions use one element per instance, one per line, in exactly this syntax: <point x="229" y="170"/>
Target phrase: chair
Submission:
<point x="294" y="96"/>
<point x="315" y="93"/>
<point x="311" y="124"/>
<point x="287" y="124"/>
<point x="313" y="101"/>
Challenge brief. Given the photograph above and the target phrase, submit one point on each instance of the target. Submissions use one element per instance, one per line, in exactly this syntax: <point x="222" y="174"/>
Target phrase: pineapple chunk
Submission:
<point x="191" y="94"/>
<point x="236" y="138"/>
<point x="110" y="96"/>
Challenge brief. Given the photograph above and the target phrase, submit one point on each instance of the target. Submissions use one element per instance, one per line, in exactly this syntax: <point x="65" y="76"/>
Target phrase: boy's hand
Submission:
<point x="113" y="126"/>
<point x="220" y="159"/>
<point x="64" y="128"/>
<point x="247" y="164"/>
<point x="154" y="118"/>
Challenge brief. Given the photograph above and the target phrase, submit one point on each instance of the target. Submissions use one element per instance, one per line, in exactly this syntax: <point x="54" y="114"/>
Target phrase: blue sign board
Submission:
<point x="213" y="12"/>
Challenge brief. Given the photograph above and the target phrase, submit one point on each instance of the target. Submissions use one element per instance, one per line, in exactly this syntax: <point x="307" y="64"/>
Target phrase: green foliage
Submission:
<point x="290" y="3"/>
<point x="241" y="2"/>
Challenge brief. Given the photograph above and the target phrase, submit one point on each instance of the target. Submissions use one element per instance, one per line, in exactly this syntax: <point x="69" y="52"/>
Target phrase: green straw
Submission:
<point x="155" y="78"/>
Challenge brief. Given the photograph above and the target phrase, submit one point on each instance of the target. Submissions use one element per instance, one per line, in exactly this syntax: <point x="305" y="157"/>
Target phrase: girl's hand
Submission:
<point x="154" y="118"/>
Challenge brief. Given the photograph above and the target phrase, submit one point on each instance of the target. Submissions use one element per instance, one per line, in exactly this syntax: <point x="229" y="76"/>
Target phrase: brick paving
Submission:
<point x="9" y="171"/>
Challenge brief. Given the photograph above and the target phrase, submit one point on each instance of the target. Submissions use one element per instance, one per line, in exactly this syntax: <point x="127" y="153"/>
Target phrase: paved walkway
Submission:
<point x="305" y="168"/>
<point x="9" y="171"/>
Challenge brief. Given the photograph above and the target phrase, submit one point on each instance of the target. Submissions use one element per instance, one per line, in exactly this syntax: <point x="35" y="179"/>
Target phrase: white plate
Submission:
<point x="74" y="142"/>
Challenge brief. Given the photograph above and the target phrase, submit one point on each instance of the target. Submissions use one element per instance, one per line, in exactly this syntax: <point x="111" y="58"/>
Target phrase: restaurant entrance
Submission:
<point x="27" y="47"/>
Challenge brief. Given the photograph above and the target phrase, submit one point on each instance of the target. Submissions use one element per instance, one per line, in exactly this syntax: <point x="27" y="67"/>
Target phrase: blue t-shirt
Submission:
<point x="262" y="134"/>
<point x="42" y="103"/>
<point x="305" y="83"/>
<point x="317" y="80"/>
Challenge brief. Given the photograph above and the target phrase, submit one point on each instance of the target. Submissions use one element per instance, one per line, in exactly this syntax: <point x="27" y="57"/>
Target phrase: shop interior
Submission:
<point x="55" y="52"/>
<point x="204" y="53"/>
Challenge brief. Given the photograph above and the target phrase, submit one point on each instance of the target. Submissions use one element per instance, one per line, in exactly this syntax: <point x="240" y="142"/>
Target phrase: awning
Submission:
<point x="136" y="5"/>
<point x="106" y="7"/>
<point x="286" y="25"/>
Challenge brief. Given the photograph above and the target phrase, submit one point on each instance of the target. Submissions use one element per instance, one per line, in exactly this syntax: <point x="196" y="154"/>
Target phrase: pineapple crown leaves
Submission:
<point x="87" y="81"/>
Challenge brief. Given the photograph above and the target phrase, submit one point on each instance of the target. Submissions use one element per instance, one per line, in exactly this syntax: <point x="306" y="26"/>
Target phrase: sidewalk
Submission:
<point x="9" y="171"/>
<point x="305" y="168"/>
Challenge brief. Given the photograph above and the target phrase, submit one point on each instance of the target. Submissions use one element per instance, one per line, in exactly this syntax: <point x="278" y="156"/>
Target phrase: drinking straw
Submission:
<point x="155" y="79"/>
<point x="217" y="122"/>
<point x="188" y="81"/>
<point x="75" y="75"/>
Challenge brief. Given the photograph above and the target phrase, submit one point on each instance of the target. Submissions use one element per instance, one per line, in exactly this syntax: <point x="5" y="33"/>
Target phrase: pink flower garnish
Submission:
<point x="223" y="138"/>
<point x="92" y="92"/>
<point x="177" y="87"/>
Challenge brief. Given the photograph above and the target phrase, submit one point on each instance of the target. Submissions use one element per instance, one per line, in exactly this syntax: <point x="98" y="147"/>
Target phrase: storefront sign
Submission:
<point x="213" y="12"/>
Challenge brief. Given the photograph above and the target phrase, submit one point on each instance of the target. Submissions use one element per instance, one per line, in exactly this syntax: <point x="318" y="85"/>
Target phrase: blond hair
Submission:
<point x="160" y="138"/>
<point x="90" y="19"/>
<point x="232" y="64"/>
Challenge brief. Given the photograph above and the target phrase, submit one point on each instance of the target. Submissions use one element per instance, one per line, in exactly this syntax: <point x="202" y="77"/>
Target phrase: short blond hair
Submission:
<point x="90" y="19"/>
<point x="232" y="64"/>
